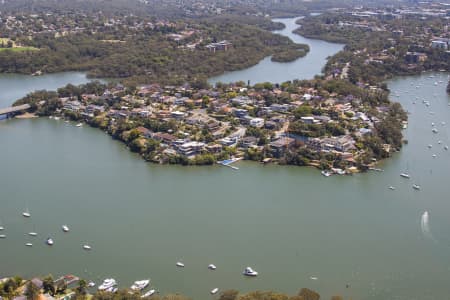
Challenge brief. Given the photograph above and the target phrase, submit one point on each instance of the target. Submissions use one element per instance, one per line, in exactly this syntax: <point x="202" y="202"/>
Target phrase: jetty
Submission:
<point x="228" y="162"/>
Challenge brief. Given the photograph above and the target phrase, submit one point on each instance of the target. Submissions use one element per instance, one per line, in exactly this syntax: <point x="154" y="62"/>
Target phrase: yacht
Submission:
<point x="140" y="285"/>
<point x="148" y="294"/>
<point x="416" y="187"/>
<point x="404" y="175"/>
<point x="180" y="264"/>
<point x="29" y="244"/>
<point x="49" y="242"/>
<point x="107" y="283"/>
<point x="212" y="267"/>
<point x="250" y="272"/>
<point x="214" y="291"/>
<point x="87" y="247"/>
<point x="32" y="233"/>
<point x="79" y="125"/>
<point x="65" y="228"/>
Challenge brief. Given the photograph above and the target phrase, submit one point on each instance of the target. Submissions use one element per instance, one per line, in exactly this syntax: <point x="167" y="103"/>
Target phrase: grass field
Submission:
<point x="15" y="47"/>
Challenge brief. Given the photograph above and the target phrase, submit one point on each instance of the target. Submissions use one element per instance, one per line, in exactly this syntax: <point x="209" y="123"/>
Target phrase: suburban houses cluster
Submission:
<point x="233" y="120"/>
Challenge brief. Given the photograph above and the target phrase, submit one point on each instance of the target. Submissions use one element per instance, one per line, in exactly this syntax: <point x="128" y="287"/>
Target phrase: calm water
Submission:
<point x="288" y="223"/>
<point x="15" y="86"/>
<point x="303" y="68"/>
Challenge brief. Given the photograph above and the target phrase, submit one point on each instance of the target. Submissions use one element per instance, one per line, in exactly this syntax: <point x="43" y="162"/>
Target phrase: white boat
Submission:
<point x="214" y="291"/>
<point x="325" y="173"/>
<point x="91" y="284"/>
<point x="2" y="228"/>
<point x="392" y="188"/>
<point x="87" y="247"/>
<point x="313" y="278"/>
<point x="26" y="213"/>
<point x="107" y="283"/>
<point x="446" y="147"/>
<point x="49" y="242"/>
<point x="212" y="267"/>
<point x="404" y="175"/>
<point x="435" y="130"/>
<point x="112" y="289"/>
<point x="148" y="294"/>
<point x="416" y="187"/>
<point x="180" y="264"/>
<point x="2" y="236"/>
<point x="79" y="125"/>
<point x="140" y="285"/>
<point x="439" y="142"/>
<point x="32" y="233"/>
<point x="434" y="155"/>
<point x="57" y="118"/>
<point x="250" y="272"/>
<point x="29" y="244"/>
<point x="65" y="228"/>
<point x="430" y="146"/>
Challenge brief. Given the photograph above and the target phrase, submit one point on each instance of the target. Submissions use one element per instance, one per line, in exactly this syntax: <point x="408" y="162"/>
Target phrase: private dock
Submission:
<point x="10" y="112"/>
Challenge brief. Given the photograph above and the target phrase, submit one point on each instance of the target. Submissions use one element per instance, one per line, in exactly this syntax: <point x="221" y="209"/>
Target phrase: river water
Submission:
<point x="360" y="239"/>
<point x="303" y="68"/>
<point x="15" y="86"/>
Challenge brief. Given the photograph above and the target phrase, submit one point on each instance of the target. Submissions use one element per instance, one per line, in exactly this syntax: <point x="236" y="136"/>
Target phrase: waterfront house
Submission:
<point x="279" y="146"/>
<point x="256" y="122"/>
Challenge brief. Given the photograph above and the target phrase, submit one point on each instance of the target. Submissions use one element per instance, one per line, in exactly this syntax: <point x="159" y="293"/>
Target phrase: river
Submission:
<point x="303" y="68"/>
<point x="360" y="239"/>
<point x="15" y="86"/>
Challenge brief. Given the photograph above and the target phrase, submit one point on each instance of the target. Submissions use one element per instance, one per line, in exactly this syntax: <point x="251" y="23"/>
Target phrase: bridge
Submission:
<point x="9" y="112"/>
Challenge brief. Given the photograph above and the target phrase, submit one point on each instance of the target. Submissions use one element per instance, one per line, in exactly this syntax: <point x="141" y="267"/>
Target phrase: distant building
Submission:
<point x="222" y="45"/>
<point x="439" y="44"/>
<point x="415" y="57"/>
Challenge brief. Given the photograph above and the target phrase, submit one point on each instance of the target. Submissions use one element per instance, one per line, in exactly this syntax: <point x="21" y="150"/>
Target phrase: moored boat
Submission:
<point x="65" y="228"/>
<point x="250" y="272"/>
<point x="180" y="264"/>
<point x="107" y="283"/>
<point x="404" y="175"/>
<point x="416" y="187"/>
<point x="140" y="285"/>
<point x="212" y="267"/>
<point x="49" y="242"/>
<point x="148" y="294"/>
<point x="2" y="236"/>
<point x="87" y="247"/>
<point x="214" y="291"/>
<point x="32" y="233"/>
<point x="29" y="244"/>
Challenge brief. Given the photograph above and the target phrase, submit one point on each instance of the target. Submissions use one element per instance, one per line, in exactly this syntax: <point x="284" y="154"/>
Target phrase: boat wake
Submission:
<point x="425" y="226"/>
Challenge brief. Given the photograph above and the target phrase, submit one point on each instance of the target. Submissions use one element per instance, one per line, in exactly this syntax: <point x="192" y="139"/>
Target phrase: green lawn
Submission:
<point x="19" y="49"/>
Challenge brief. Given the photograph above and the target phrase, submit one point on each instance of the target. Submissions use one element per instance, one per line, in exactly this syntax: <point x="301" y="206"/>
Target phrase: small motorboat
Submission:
<point x="57" y="118"/>
<point x="2" y="236"/>
<point x="430" y="146"/>
<point x="313" y="278"/>
<point x="140" y="285"/>
<point x="214" y="291"/>
<point x="250" y="272"/>
<point x="439" y="142"/>
<point x="435" y="130"/>
<point x="446" y="147"/>
<point x="65" y="228"/>
<point x="32" y="233"/>
<point x="148" y="294"/>
<point x="180" y="264"/>
<point x="326" y="173"/>
<point x="87" y="247"/>
<point x="29" y="244"/>
<point x="26" y="214"/>
<point x="392" y="188"/>
<point x="404" y="175"/>
<point x="79" y="125"/>
<point x="434" y="155"/>
<point x="112" y="289"/>
<point x="91" y="284"/>
<point x="212" y="267"/>
<point x="49" y="242"/>
<point x="2" y="228"/>
<point x="416" y="187"/>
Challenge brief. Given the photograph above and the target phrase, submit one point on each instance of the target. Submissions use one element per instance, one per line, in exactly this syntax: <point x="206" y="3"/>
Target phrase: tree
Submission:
<point x="48" y="285"/>
<point x="31" y="291"/>
<point x="308" y="294"/>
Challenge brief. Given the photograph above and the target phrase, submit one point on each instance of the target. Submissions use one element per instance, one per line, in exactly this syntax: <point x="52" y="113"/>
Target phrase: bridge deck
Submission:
<point x="13" y="109"/>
